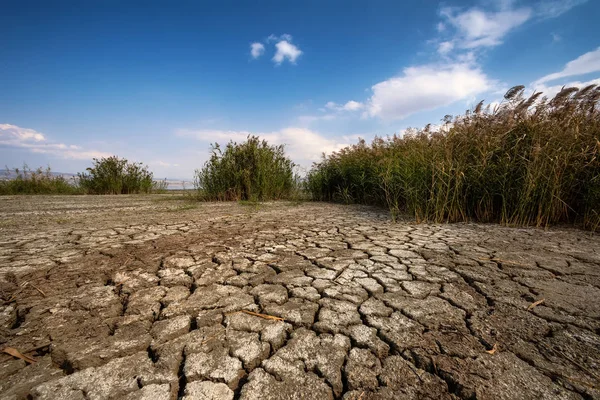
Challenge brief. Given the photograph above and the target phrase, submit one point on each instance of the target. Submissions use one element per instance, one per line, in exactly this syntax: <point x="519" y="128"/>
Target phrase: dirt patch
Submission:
<point x="143" y="297"/>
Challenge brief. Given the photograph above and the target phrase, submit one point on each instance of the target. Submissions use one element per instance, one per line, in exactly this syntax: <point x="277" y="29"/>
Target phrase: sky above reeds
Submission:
<point x="158" y="82"/>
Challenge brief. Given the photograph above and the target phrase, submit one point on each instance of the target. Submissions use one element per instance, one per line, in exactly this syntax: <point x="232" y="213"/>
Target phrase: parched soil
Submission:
<point x="150" y="297"/>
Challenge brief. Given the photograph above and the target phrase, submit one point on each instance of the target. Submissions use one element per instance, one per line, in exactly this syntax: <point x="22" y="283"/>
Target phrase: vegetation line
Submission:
<point x="527" y="161"/>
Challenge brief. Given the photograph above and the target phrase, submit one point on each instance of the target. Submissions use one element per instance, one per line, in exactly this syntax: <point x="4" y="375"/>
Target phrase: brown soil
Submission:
<point x="144" y="297"/>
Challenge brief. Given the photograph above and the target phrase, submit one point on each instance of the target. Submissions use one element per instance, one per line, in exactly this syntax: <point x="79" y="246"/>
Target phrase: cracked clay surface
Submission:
<point x="137" y="297"/>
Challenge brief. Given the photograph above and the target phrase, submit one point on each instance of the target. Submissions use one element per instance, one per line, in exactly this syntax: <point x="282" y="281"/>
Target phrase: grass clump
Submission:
<point x="39" y="181"/>
<point x="529" y="161"/>
<point x="114" y="175"/>
<point x="252" y="170"/>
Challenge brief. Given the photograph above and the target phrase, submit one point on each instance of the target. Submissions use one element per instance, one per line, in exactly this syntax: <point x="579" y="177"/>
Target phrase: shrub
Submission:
<point x="39" y="181"/>
<point x="114" y="175"/>
<point x="252" y="170"/>
<point x="528" y="161"/>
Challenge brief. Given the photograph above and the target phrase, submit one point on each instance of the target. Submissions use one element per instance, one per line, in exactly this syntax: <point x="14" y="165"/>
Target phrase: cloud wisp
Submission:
<point x="585" y="64"/>
<point x="479" y="27"/>
<point x="348" y="106"/>
<point x="13" y="136"/>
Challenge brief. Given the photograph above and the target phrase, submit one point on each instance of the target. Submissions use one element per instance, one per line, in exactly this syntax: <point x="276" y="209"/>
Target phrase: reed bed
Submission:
<point x="528" y="161"/>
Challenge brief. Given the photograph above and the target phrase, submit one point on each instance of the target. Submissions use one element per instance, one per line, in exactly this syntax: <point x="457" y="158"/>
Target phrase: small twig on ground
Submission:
<point x="560" y="354"/>
<point x="31" y="350"/>
<point x="17" y="354"/>
<point x="216" y="335"/>
<point x="265" y="316"/>
<point x="498" y="260"/>
<point x="493" y="349"/>
<point x="39" y="290"/>
<point x="127" y="261"/>
<point x="535" y="304"/>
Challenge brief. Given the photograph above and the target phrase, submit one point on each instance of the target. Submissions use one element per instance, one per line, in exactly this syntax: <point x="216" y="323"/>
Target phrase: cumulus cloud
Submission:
<point x="302" y="145"/>
<point x="257" y="49"/>
<point x="584" y="64"/>
<point x="425" y="88"/>
<point x="286" y="51"/>
<point x="284" y="48"/>
<point x="13" y="136"/>
<point x="16" y="134"/>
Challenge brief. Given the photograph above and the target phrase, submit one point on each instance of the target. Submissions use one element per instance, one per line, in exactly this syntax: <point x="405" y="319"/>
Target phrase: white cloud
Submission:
<point x="257" y="49"/>
<point x="286" y="50"/>
<point x="10" y="132"/>
<point x="308" y="119"/>
<point x="445" y="47"/>
<point x="353" y="105"/>
<point x="16" y="137"/>
<point x="331" y="105"/>
<point x="425" y="88"/>
<point x="553" y="9"/>
<point x="302" y="145"/>
<point x="585" y="64"/>
<point x="165" y="164"/>
<point x="274" y="38"/>
<point x="479" y="28"/>
<point x="349" y="106"/>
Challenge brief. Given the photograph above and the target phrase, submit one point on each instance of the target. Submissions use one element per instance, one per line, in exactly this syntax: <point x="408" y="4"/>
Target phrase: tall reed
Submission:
<point x="252" y="170"/>
<point x="529" y="161"/>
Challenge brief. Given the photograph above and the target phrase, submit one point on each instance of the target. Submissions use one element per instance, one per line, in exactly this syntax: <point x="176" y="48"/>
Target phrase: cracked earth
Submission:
<point x="147" y="297"/>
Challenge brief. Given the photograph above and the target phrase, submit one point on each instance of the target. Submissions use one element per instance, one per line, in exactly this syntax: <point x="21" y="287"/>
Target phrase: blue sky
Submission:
<point x="157" y="82"/>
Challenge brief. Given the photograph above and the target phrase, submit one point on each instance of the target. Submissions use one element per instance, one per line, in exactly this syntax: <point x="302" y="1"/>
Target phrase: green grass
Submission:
<point x="39" y="181"/>
<point x="110" y="175"/>
<point x="252" y="170"/>
<point x="529" y="161"/>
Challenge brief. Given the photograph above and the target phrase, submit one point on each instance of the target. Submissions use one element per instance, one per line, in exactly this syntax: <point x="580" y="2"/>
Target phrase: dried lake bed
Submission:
<point x="157" y="297"/>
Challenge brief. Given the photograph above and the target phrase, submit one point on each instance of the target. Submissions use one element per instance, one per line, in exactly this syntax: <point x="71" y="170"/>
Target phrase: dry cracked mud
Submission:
<point x="144" y="297"/>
